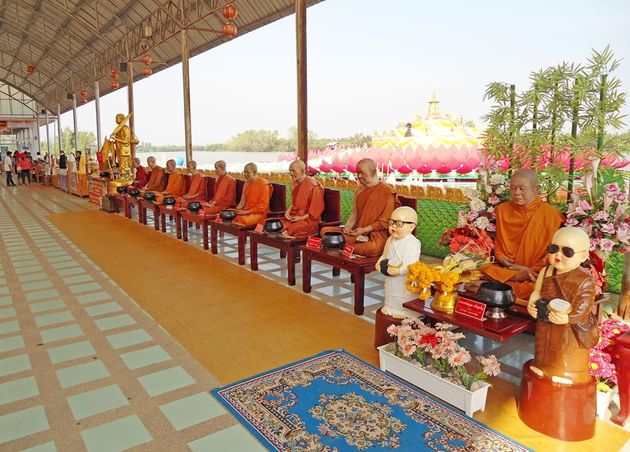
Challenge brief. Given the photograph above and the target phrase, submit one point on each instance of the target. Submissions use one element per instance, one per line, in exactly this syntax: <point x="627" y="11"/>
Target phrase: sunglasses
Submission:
<point x="567" y="251"/>
<point x="399" y="223"/>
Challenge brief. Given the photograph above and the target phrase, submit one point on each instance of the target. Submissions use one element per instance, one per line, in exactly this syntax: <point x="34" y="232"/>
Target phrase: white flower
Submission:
<point x="477" y="204"/>
<point x="481" y="222"/>
<point x="500" y="189"/>
<point x="497" y="179"/>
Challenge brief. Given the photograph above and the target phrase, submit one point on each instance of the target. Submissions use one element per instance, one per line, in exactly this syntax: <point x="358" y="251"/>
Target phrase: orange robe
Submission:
<point x="256" y="195"/>
<point x="156" y="180"/>
<point x="373" y="207"/>
<point x="523" y="234"/>
<point x="308" y="198"/>
<point x="224" y="195"/>
<point x="176" y="187"/>
<point x="196" y="192"/>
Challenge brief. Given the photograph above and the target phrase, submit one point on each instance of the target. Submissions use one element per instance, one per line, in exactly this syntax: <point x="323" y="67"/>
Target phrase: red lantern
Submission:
<point x="146" y="59"/>
<point x="114" y="74"/>
<point x="147" y="71"/>
<point x="83" y="100"/>
<point x="31" y="69"/>
<point x="83" y="93"/>
<point x="230" y="12"/>
<point x="114" y="84"/>
<point x="229" y="30"/>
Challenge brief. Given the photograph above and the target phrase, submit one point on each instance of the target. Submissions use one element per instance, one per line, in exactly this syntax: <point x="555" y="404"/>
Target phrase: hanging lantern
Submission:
<point x="147" y="71"/>
<point x="229" y="30"/>
<point x="229" y="12"/>
<point x="83" y="93"/>
<point x="114" y="74"/>
<point x="114" y="84"/>
<point x="146" y="59"/>
<point x="31" y="69"/>
<point x="83" y="100"/>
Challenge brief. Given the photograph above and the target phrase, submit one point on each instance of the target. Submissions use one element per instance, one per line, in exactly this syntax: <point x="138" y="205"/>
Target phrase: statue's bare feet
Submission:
<point x="537" y="371"/>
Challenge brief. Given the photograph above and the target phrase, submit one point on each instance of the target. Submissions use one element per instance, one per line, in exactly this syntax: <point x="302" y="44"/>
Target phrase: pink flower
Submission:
<point x="621" y="211"/>
<point x="494" y="200"/>
<point x="472" y="215"/>
<point x="588" y="228"/>
<point x="491" y="227"/>
<point x="606" y="244"/>
<point x="623" y="233"/>
<point x="612" y="188"/>
<point x="490" y="364"/>
<point x="621" y="197"/>
<point x="571" y="222"/>
<point x="459" y="357"/>
<point x="584" y="205"/>
<point x="608" y="228"/>
<point x="601" y="215"/>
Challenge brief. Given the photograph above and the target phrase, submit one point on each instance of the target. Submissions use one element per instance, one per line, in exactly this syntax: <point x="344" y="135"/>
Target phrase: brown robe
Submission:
<point x="156" y="180"/>
<point x="196" y="192"/>
<point x="224" y="195"/>
<point x="523" y="233"/>
<point x="373" y="206"/>
<point x="307" y="198"/>
<point x="558" y="352"/>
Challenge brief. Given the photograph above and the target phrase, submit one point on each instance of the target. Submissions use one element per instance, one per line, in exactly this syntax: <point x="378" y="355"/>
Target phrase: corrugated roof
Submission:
<point x="73" y="43"/>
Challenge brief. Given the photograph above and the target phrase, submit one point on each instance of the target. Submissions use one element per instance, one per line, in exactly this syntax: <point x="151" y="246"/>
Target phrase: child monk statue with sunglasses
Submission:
<point x="557" y="380"/>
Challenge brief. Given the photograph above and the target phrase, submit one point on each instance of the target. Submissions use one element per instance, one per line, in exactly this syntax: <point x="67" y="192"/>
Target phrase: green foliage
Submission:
<point x="87" y="140"/>
<point x="256" y="140"/>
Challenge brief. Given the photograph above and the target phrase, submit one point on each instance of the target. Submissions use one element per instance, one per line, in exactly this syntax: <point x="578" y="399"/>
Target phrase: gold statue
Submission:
<point x="117" y="151"/>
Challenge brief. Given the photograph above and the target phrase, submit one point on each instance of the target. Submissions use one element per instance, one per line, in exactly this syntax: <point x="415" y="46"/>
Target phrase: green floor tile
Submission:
<point x="9" y="327"/>
<point x="92" y="297"/>
<point x="46" y="306"/>
<point x="25" y="263"/>
<point x="41" y="295"/>
<point x="191" y="410"/>
<point x="23" y="257"/>
<point x="46" y="447"/>
<point x="31" y="269"/>
<point x="82" y="373"/>
<point x="70" y="271"/>
<point x="63" y="332"/>
<point x="64" y="264"/>
<point x="71" y="351"/>
<point x="23" y="423"/>
<point x="118" y="321"/>
<point x="99" y="400"/>
<point x="36" y="285"/>
<point x="14" y="364"/>
<point x="11" y="343"/>
<point x="4" y="290"/>
<point x="104" y="308"/>
<point x="5" y="301"/>
<point x="87" y="287"/>
<point x="3" y="281"/>
<point x="7" y="313"/>
<point x="128" y="338"/>
<point x="77" y="279"/>
<point x="18" y="390"/>
<point x="120" y="434"/>
<point x="67" y="257"/>
<point x="231" y="438"/>
<point x="53" y="319"/>
<point x="32" y="277"/>
<point x="165" y="380"/>
<point x="145" y="357"/>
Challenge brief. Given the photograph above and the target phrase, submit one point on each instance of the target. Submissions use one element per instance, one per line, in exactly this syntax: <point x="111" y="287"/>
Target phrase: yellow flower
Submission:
<point x="594" y="366"/>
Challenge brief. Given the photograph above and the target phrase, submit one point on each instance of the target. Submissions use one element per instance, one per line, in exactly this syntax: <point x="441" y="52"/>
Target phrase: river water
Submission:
<point x="235" y="161"/>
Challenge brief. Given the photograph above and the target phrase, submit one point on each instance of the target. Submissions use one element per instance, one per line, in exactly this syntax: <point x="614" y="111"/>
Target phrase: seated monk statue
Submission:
<point x="176" y="183"/>
<point x="197" y="190"/>
<point x="254" y="204"/>
<point x="157" y="181"/>
<point x="302" y="218"/>
<point x="525" y="226"/>
<point x="141" y="177"/>
<point x="224" y="191"/>
<point x="374" y="202"/>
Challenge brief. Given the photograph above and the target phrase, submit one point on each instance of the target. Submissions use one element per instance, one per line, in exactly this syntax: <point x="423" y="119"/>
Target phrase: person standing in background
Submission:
<point x="7" y="167"/>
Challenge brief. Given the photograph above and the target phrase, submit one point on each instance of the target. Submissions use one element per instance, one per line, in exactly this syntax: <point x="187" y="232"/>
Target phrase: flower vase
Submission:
<point x="603" y="402"/>
<point x="469" y="401"/>
<point x="444" y="301"/>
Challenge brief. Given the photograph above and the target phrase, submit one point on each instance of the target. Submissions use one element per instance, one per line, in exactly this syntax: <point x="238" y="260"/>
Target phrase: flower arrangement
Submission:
<point x="492" y="190"/>
<point x="601" y="365"/>
<point x="468" y="239"/>
<point x="436" y="350"/>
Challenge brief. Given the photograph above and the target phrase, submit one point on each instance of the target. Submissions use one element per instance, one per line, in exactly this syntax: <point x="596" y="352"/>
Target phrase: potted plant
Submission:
<point x="431" y="359"/>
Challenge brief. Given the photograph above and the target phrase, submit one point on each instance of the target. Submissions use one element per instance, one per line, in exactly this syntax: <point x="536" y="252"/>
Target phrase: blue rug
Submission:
<point x="336" y="402"/>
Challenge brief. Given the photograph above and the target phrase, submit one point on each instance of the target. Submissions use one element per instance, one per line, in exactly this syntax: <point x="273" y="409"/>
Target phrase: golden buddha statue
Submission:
<point x="117" y="151"/>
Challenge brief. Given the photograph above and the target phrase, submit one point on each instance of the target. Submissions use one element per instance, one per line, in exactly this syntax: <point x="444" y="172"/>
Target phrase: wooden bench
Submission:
<point x="175" y="215"/>
<point x="290" y="248"/>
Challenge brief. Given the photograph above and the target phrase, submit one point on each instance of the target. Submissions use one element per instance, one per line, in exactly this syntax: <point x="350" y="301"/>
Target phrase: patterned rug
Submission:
<point x="333" y="401"/>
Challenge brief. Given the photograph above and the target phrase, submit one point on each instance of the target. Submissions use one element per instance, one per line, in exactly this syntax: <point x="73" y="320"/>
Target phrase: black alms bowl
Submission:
<point x="169" y="201"/>
<point x="194" y="206"/>
<point x="121" y="189"/>
<point x="149" y="196"/>
<point x="495" y="294"/>
<point x="273" y="225"/>
<point x="227" y="215"/>
<point x="134" y="192"/>
<point x="333" y="240"/>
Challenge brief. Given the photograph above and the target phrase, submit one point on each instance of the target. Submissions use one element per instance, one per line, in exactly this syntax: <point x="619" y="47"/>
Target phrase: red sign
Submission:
<point x="470" y="308"/>
<point x="218" y="220"/>
<point x="259" y="228"/>
<point x="314" y="242"/>
<point x="347" y="251"/>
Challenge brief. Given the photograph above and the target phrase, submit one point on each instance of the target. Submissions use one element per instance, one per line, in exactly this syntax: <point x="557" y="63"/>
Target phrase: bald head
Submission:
<point x="250" y="171"/>
<point x="191" y="165"/>
<point x="137" y="162"/>
<point x="219" y="167"/>
<point x="151" y="162"/>
<point x="524" y="186"/>
<point x="366" y="172"/>
<point x="171" y="165"/>
<point x="297" y="169"/>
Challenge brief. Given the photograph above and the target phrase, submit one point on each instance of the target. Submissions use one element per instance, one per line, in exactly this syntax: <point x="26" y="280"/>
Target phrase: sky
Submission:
<point x="371" y="66"/>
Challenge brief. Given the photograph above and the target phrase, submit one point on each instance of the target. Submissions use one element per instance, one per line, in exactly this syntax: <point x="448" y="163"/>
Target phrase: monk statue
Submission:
<point x="224" y="191"/>
<point x="374" y="202"/>
<point x="141" y="177"/>
<point x="525" y="225"/>
<point x="123" y="139"/>
<point x="176" y="185"/>
<point x="558" y="377"/>
<point x="254" y="204"/>
<point x="302" y="218"/>
<point x="157" y="179"/>
<point x="197" y="189"/>
<point x="402" y="249"/>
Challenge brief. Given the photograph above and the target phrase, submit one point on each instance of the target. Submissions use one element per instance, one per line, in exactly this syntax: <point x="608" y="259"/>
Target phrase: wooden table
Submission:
<point x="143" y="205"/>
<point x="358" y="267"/>
<point x="184" y="216"/>
<point x="516" y="322"/>
<point x="288" y="247"/>
<point x="231" y="228"/>
<point x="131" y="201"/>
<point x="169" y="210"/>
